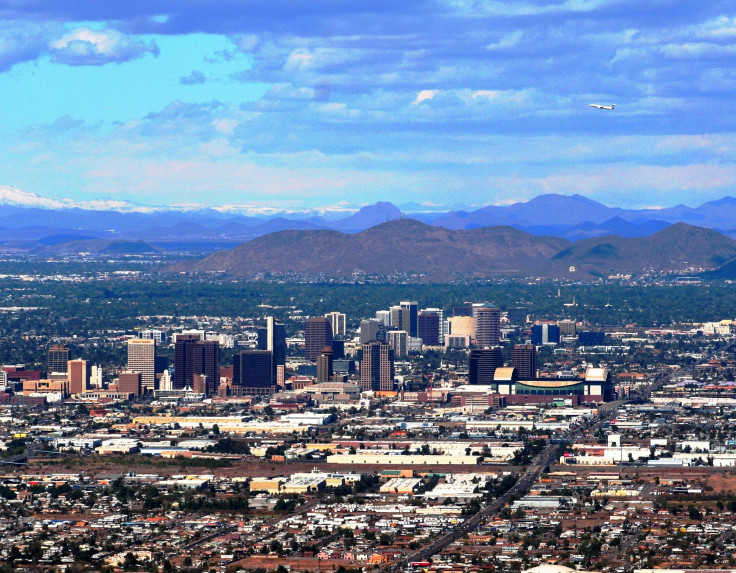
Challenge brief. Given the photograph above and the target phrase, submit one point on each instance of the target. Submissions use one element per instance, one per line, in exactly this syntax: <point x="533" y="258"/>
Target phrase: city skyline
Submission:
<point x="331" y="104"/>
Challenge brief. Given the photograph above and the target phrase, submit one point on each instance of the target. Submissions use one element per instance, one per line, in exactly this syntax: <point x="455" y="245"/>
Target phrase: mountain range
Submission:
<point x="410" y="247"/>
<point x="27" y="220"/>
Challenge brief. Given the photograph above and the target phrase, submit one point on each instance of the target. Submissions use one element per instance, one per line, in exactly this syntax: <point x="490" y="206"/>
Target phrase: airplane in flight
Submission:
<point x="599" y="106"/>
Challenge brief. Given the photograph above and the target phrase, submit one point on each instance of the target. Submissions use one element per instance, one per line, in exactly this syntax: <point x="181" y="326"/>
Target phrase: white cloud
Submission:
<point x="424" y="95"/>
<point x="85" y="47"/>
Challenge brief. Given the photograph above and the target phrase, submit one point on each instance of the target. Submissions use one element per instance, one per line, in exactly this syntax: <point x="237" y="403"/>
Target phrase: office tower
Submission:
<point x="518" y="314"/>
<point x="400" y="319"/>
<point x="273" y="338"/>
<point x="317" y="335"/>
<point x="567" y="327"/>
<point x="482" y="365"/>
<point x="253" y="372"/>
<point x="194" y="356"/>
<point x="368" y="330"/>
<point x="524" y="359"/>
<point x="158" y="335"/>
<point x="442" y="322"/>
<point x="95" y="379"/>
<point x="129" y="382"/>
<point x="412" y="307"/>
<point x="206" y="362"/>
<point x="338" y="321"/>
<point x="462" y="326"/>
<point x="3" y="381"/>
<point x="78" y="374"/>
<point x="428" y="328"/>
<point x="487" y="326"/>
<point x="165" y="382"/>
<point x="324" y="365"/>
<point x="200" y="384"/>
<point x="58" y="358"/>
<point x="398" y="340"/>
<point x="465" y="310"/>
<point x="545" y="334"/>
<point x="377" y="366"/>
<point x="142" y="358"/>
<point x="384" y="317"/>
<point x="591" y="338"/>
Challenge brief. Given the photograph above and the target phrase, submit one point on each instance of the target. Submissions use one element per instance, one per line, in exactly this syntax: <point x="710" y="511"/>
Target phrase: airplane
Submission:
<point x="599" y="106"/>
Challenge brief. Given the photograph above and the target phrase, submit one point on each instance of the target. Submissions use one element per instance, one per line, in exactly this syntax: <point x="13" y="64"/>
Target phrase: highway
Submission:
<point x="544" y="459"/>
<point x="521" y="487"/>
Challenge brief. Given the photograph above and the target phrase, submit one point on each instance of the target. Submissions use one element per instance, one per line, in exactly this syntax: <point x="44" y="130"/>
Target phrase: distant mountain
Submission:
<point x="542" y="210"/>
<point x="679" y="247"/>
<point x="411" y="247"/>
<point x="97" y="247"/>
<point x="25" y="217"/>
<point x="616" y="226"/>
<point x="402" y="246"/>
<point x="367" y="217"/>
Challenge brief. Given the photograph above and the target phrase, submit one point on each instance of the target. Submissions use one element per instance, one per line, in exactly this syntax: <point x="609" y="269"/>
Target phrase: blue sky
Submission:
<point x="291" y="105"/>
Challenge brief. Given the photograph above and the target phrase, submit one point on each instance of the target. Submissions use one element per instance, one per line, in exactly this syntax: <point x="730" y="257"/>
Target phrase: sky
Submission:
<point x="256" y="104"/>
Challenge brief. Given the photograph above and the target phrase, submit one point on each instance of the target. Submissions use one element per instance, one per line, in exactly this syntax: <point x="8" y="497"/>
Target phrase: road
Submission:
<point x="521" y="487"/>
<point x="544" y="459"/>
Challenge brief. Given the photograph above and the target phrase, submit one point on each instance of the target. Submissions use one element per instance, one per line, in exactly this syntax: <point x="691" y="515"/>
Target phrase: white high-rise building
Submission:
<point x="142" y="358"/>
<point x="384" y="317"/>
<point x="338" y="321"/>
<point x="95" y="377"/>
<point x="158" y="335"/>
<point x="166" y="383"/>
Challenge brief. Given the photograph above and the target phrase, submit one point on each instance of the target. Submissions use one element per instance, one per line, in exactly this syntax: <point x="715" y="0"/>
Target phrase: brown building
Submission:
<point x="317" y="335"/>
<point x="130" y="382"/>
<point x="58" y="358"/>
<point x="78" y="374"/>
<point x="524" y="359"/>
<point x="487" y="326"/>
<point x="324" y="365"/>
<point x="377" y="366"/>
<point x="194" y="356"/>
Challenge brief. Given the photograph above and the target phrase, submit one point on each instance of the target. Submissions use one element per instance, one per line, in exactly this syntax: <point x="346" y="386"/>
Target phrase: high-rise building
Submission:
<point x="273" y="338"/>
<point x="58" y="358"/>
<point x="95" y="379"/>
<point x="206" y="362"/>
<point x="194" y="356"/>
<point x="465" y="310"/>
<point x="376" y="366"/>
<point x="412" y="307"/>
<point x="369" y="330"/>
<point x="428" y="328"/>
<point x="384" y="317"/>
<point x="129" y="382"/>
<point x="338" y="321"/>
<point x="317" y="335"/>
<point x="79" y="375"/>
<point x="567" y="327"/>
<point x="253" y="372"/>
<point x="142" y="358"/>
<point x="545" y="334"/>
<point x="398" y="340"/>
<point x="324" y="365"/>
<point x="400" y="319"/>
<point x="158" y="335"/>
<point x="517" y="314"/>
<point x="462" y="326"/>
<point x="487" y="326"/>
<point x="482" y="365"/>
<point x="524" y="359"/>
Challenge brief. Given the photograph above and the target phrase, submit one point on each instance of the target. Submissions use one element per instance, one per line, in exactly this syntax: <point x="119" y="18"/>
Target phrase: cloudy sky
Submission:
<point x="294" y="104"/>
